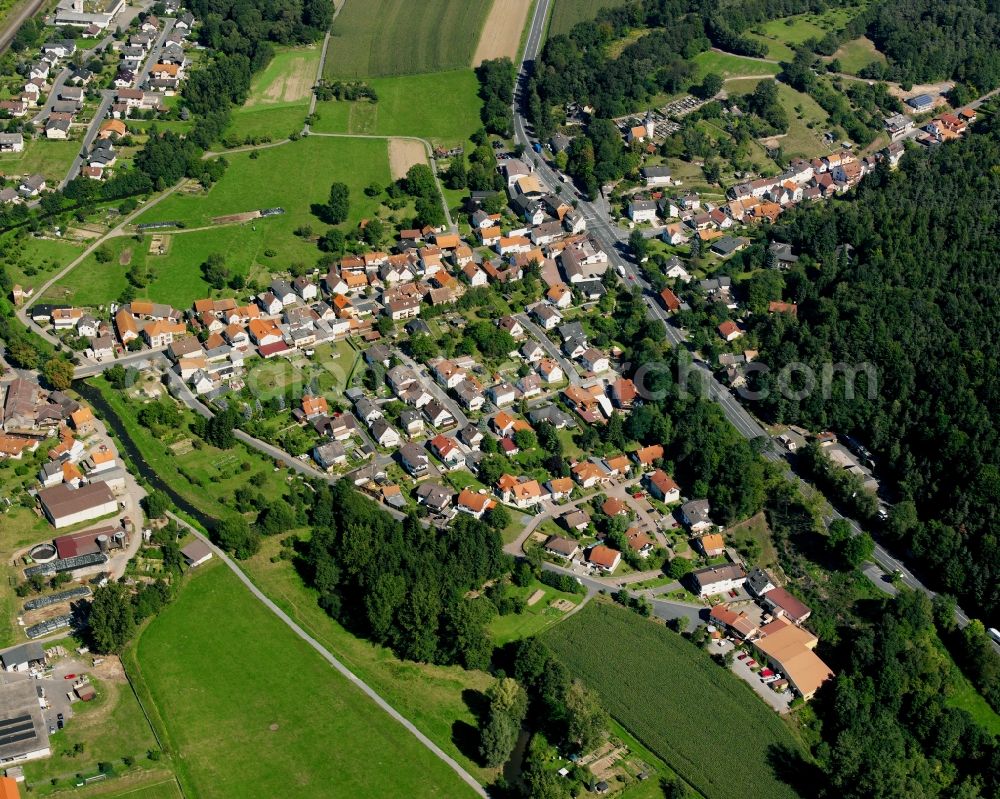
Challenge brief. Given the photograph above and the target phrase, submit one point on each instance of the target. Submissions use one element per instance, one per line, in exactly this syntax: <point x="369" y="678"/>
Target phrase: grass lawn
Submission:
<point x="756" y="529"/>
<point x="410" y="105"/>
<point x="238" y="693"/>
<point x="110" y="727"/>
<point x="567" y="13"/>
<point x="41" y="156"/>
<point x="730" y="66"/>
<point x="858" y="53"/>
<point x="160" y="790"/>
<point x="279" y="96"/>
<point x="658" y="686"/>
<point x="292" y="176"/>
<point x="177" y="278"/>
<point x="535" y="618"/>
<point x="394" y="37"/>
<point x="435" y="698"/>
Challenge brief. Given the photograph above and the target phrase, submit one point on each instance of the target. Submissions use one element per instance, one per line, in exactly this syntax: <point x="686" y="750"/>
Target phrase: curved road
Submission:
<point x="333" y="661"/>
<point x="614" y="240"/>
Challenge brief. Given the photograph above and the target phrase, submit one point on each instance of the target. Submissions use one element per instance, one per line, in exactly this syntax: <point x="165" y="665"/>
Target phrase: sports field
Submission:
<point x="442" y="107"/>
<point x="676" y="700"/>
<point x="399" y="37"/>
<point x="567" y="13"/>
<point x="279" y="96"/>
<point x="249" y="709"/>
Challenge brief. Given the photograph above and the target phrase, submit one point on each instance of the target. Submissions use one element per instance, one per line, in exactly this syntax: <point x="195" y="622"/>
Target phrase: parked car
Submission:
<point x="60" y="721"/>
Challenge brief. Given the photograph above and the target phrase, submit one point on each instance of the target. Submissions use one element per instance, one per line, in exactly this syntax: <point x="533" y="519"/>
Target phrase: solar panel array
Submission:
<point x="48" y="626"/>
<point x="53" y="599"/>
<point x="67" y="564"/>
<point x="17" y="729"/>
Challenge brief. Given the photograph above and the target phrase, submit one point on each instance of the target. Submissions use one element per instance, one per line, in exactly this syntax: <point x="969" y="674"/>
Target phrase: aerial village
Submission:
<point x="467" y="431"/>
<point x="140" y="62"/>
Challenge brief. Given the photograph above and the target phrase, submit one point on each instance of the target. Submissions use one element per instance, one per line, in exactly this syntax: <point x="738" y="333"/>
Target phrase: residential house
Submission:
<point x="384" y="434"/>
<point x="474" y="504"/>
<point x="414" y="459"/>
<point x="647" y="456"/>
<point x="715" y="580"/>
<point x="695" y="515"/>
<point x="435" y="497"/>
<point x="604" y="558"/>
<point x="782" y="604"/>
<point x="662" y="487"/>
<point x="563" y="547"/>
<point x="329" y="455"/>
<point x="711" y="545"/>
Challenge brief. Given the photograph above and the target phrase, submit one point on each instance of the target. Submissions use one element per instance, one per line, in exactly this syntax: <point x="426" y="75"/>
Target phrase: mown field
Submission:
<point x="700" y="718"/>
<point x="567" y="13"/>
<point x="292" y="176"/>
<point x="251" y="710"/>
<point x="442" y="107"/>
<point x="279" y="96"/>
<point x="398" y="37"/>
<point x="109" y="728"/>
<point x="437" y="699"/>
<point x="728" y="65"/>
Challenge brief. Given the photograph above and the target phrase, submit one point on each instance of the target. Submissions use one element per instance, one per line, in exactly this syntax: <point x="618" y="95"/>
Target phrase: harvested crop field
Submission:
<point x="288" y="78"/>
<point x="404" y="153"/>
<point x="501" y="34"/>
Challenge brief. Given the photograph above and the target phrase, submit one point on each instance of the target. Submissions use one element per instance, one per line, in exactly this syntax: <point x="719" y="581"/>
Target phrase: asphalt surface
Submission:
<point x="614" y="240"/>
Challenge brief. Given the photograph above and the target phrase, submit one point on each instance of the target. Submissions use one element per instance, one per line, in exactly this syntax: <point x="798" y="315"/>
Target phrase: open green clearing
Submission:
<point x="41" y="156"/>
<point x="443" y="107"/>
<point x="535" y="618"/>
<point x="434" y="698"/>
<point x="857" y="54"/>
<point x="802" y="111"/>
<point x="567" y="13"/>
<point x="279" y="96"/>
<point x="291" y="176"/>
<point x="252" y="710"/>
<point x="782" y="35"/>
<point x="110" y="727"/>
<point x="397" y="37"/>
<point x="676" y="700"/>
<point x="177" y="278"/>
<point x="160" y="790"/>
<point x="730" y="66"/>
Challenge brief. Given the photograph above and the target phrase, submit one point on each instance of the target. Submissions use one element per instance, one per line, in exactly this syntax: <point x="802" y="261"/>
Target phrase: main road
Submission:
<point x="615" y="240"/>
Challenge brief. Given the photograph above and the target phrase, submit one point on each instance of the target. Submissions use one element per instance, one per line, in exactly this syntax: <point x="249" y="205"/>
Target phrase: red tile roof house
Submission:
<point x="729" y="330"/>
<point x="604" y="558"/>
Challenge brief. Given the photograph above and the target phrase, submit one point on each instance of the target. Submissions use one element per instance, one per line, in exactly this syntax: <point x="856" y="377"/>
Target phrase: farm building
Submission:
<point x="196" y="553"/>
<point x="23" y="734"/>
<point x="65" y="506"/>
<point x="789" y="649"/>
<point x="23" y="657"/>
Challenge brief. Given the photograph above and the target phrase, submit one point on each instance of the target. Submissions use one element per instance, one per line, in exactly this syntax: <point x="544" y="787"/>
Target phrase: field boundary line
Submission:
<point x="466" y="777"/>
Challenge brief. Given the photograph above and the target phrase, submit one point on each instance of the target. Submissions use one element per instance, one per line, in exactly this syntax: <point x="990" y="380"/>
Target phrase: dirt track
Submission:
<point x="501" y="34"/>
<point x="404" y="153"/>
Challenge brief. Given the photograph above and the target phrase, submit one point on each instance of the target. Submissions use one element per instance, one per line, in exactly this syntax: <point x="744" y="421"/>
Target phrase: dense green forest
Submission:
<point x="931" y="40"/>
<point x="917" y="298"/>
<point x="402" y="584"/>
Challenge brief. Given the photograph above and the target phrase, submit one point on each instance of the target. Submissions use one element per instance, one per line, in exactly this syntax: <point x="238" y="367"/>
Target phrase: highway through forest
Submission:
<point x="615" y="242"/>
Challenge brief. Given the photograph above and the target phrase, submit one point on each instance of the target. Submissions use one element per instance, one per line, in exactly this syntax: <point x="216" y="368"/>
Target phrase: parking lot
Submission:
<point x="779" y="701"/>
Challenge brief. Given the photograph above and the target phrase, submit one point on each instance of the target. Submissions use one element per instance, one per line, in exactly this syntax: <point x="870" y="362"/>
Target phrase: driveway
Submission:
<point x="778" y="702"/>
